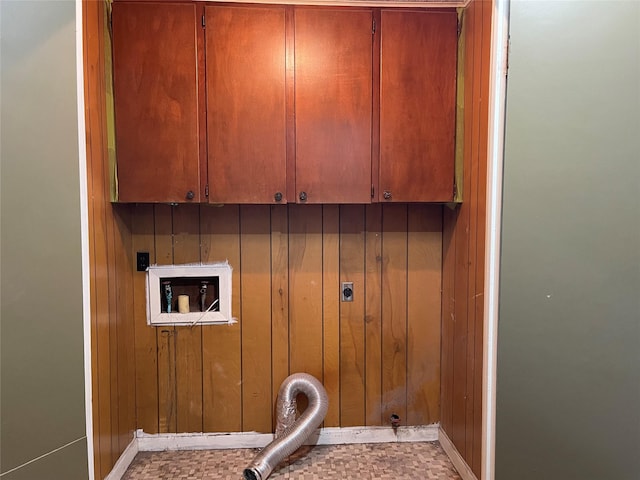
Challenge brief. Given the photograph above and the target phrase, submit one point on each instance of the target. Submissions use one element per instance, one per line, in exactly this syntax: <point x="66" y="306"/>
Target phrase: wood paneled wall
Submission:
<point x="111" y="268"/>
<point x="463" y="254"/>
<point x="377" y="355"/>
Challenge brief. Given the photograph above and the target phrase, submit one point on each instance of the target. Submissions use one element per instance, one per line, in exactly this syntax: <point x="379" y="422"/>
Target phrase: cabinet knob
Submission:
<point x="278" y="197"/>
<point x="190" y="195"/>
<point x="303" y="196"/>
<point x="387" y="195"/>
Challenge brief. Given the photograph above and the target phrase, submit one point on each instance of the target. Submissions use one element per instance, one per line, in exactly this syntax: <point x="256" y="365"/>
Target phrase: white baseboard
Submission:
<point x="201" y="441"/>
<point x="347" y="435"/>
<point x="145" y="442"/>
<point x="124" y="461"/>
<point x="452" y="452"/>
<point x="324" y="436"/>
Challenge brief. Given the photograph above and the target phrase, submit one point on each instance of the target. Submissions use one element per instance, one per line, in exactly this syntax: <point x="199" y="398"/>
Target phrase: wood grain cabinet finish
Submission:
<point x="333" y="105"/>
<point x="417" y="106"/>
<point x="156" y="102"/>
<point x="303" y="104"/>
<point x="246" y="110"/>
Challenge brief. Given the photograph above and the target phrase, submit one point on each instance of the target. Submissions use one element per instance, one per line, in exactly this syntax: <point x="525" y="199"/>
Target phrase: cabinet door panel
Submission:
<point x="333" y="102"/>
<point x="246" y="116"/>
<point x="417" y="105"/>
<point x="156" y="102"/>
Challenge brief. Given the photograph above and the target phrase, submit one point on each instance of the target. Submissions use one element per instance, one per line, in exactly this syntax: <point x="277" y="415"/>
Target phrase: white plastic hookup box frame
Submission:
<point x="221" y="314"/>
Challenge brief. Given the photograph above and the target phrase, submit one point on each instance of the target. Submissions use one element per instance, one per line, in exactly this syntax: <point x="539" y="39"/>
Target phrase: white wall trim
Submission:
<point x="326" y="436"/>
<point x="145" y="442"/>
<point x="495" y="158"/>
<point x="84" y="239"/>
<point x="455" y="457"/>
<point x="119" y="469"/>
<point x="158" y="442"/>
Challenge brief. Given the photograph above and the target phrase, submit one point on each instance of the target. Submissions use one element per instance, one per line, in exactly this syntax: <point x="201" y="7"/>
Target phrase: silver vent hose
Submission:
<point x="290" y="433"/>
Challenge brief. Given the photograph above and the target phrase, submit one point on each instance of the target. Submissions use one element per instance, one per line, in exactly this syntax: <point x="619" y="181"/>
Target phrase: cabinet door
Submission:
<point x="333" y="104"/>
<point x="156" y="102"/>
<point x="246" y="115"/>
<point x="417" y="106"/>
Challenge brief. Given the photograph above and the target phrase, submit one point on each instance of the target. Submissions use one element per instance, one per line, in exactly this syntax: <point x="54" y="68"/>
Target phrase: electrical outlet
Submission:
<point x="346" y="291"/>
<point x="142" y="261"/>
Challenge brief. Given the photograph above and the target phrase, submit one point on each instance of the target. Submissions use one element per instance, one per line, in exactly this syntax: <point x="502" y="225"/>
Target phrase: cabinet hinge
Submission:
<point x="372" y="191"/>
<point x="206" y="191"/>
<point x="203" y="25"/>
<point x="459" y="28"/>
<point x="455" y="191"/>
<point x="373" y="27"/>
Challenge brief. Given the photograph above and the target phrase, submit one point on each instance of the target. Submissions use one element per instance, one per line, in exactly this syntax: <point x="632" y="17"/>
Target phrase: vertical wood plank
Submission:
<point x="394" y="312"/>
<point x="461" y="234"/>
<point x="102" y="184"/>
<point x="163" y="225"/>
<point x="448" y="304"/>
<point x="331" y="311"/>
<point x="373" y="315"/>
<point x="113" y="328"/>
<point x="305" y="289"/>
<point x="93" y="16"/>
<point x="222" y="362"/>
<point x="146" y="350"/>
<point x="476" y="461"/>
<point x="110" y="269"/>
<point x="463" y="254"/>
<point x="472" y="206"/>
<point x="255" y="292"/>
<point x="352" y="335"/>
<point x="424" y="299"/>
<point x="460" y="331"/>
<point x="126" y="337"/>
<point x="95" y="343"/>
<point x="188" y="340"/>
<point x="279" y="299"/>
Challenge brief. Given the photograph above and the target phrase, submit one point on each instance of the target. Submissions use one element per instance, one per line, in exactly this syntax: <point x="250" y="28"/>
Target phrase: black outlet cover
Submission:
<point x="142" y="261"/>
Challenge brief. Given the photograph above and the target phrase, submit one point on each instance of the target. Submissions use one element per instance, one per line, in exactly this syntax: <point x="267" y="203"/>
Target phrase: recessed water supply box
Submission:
<point x="193" y="294"/>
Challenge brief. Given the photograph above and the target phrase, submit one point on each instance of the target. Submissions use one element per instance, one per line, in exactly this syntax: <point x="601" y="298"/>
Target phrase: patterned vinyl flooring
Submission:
<point x="384" y="461"/>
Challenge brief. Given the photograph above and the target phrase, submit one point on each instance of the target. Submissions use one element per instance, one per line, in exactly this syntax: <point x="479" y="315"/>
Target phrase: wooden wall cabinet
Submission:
<point x="246" y="106"/>
<point x="333" y="100"/>
<point x="417" y="106"/>
<point x="156" y="102"/>
<point x="303" y="104"/>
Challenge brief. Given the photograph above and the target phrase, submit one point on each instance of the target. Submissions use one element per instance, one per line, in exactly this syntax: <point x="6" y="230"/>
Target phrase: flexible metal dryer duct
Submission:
<point x="291" y="433"/>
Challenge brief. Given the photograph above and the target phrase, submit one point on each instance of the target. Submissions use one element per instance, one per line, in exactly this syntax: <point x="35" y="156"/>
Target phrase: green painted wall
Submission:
<point x="41" y="348"/>
<point x="568" y="386"/>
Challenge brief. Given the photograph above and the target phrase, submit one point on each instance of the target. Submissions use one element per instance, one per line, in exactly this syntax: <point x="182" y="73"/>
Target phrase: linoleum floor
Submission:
<point x="383" y="461"/>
